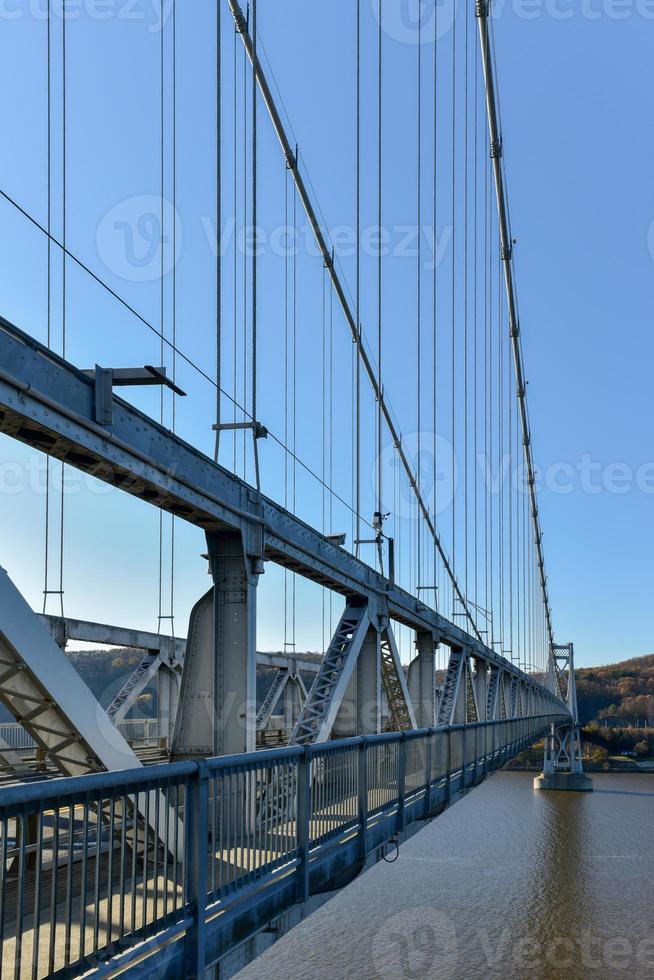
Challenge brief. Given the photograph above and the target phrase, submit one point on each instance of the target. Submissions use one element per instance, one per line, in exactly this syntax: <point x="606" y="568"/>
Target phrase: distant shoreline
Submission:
<point x="590" y="768"/>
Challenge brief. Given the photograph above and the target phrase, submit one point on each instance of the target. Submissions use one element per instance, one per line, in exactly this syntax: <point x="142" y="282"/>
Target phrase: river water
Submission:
<point x="507" y="883"/>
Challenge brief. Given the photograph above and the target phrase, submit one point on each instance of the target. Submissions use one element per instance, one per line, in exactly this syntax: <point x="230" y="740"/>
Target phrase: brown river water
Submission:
<point x="507" y="883"/>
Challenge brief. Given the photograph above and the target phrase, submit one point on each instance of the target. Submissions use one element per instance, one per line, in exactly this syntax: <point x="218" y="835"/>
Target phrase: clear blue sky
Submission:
<point x="578" y="153"/>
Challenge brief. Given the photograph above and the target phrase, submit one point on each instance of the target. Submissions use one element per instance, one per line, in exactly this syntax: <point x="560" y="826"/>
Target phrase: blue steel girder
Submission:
<point x="47" y="403"/>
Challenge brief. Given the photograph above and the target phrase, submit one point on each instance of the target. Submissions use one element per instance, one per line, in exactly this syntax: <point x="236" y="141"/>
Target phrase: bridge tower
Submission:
<point x="562" y="765"/>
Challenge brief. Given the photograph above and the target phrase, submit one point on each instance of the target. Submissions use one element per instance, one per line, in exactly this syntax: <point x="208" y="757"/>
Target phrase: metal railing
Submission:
<point x="169" y="867"/>
<point x="137" y="731"/>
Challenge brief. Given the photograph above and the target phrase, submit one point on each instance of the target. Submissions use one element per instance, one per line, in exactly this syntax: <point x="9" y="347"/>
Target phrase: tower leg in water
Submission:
<point x="562" y="768"/>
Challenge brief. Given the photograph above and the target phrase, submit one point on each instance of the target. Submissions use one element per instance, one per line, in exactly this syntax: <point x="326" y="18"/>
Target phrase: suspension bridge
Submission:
<point x="348" y="425"/>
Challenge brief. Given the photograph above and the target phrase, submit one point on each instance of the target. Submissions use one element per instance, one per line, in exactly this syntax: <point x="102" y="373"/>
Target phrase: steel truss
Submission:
<point x="44" y="692"/>
<point x="49" y="404"/>
<point x="285" y="678"/>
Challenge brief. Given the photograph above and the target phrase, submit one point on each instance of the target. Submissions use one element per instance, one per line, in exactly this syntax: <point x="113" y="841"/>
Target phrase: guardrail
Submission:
<point x="137" y="731"/>
<point x="86" y="883"/>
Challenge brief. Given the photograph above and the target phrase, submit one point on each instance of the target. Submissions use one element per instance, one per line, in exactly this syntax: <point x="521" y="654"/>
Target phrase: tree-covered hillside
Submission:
<point x="620" y="694"/>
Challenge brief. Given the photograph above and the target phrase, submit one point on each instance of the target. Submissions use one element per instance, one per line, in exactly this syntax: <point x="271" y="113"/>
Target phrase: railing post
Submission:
<point x="401" y="783"/>
<point x="428" y="750"/>
<point x="363" y="798"/>
<point x="449" y="766"/>
<point x="303" y="823"/>
<point x="479" y="736"/>
<point x="196" y="849"/>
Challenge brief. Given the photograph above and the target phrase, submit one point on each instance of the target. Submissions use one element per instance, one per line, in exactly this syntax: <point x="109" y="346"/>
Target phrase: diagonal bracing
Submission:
<point x="330" y="684"/>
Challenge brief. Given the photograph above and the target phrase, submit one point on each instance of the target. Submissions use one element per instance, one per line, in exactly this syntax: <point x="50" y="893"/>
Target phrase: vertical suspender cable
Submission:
<point x="518" y="522"/>
<point x="161" y="280"/>
<point x="435" y="302"/>
<point x="331" y="438"/>
<point x="418" y="294"/>
<point x="475" y="324"/>
<point x="525" y="542"/>
<point x="465" y="299"/>
<point x="254" y="250"/>
<point x="294" y="460"/>
<point x="453" y="289"/>
<point x="219" y="221"/>
<point x="323" y="426"/>
<point x="357" y="479"/>
<point x="510" y="500"/>
<point x="49" y="297"/>
<point x="518" y="490"/>
<point x="286" y="275"/>
<point x="235" y="192"/>
<point x="245" y="255"/>
<point x="379" y="505"/>
<point x="500" y="451"/>
<point x="486" y="410"/>
<point x="485" y="402"/>
<point x="63" y="287"/>
<point x="171" y="613"/>
<point x="491" y="427"/>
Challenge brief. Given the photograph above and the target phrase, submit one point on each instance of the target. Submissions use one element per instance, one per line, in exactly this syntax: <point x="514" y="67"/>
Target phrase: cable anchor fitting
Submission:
<point x="259" y="431"/>
<point x="292" y="159"/>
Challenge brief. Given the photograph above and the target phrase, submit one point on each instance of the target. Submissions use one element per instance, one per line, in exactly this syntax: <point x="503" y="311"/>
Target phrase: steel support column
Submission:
<point x="480" y="681"/>
<point x="422" y="679"/>
<point x="294" y="696"/>
<point x="234" y="645"/>
<point x="217" y="710"/>
<point x="360" y="710"/>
